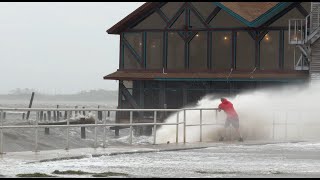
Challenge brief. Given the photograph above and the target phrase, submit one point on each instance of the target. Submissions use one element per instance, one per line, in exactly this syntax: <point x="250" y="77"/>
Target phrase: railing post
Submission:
<point x="36" y="134"/>
<point x="154" y="127"/>
<point x="184" y="126"/>
<point x="67" y="148"/>
<point x="273" y="124"/>
<point x="286" y="126"/>
<point x="1" y="133"/>
<point x="104" y="132"/>
<point x="95" y="130"/>
<point x="177" y="128"/>
<point x="130" y="140"/>
<point x="200" y="125"/>
<point x="216" y="116"/>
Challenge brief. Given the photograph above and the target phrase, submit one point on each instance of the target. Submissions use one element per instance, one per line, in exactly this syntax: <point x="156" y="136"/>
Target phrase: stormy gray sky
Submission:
<point x="59" y="47"/>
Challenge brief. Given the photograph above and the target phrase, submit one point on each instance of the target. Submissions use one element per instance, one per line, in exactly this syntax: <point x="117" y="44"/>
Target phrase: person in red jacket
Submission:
<point x="232" y="117"/>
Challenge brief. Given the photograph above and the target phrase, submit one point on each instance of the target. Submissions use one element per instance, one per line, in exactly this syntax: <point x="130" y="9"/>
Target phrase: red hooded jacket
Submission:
<point x="227" y="107"/>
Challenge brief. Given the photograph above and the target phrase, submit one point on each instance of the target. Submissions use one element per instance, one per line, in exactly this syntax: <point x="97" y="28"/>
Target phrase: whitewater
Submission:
<point x="263" y="114"/>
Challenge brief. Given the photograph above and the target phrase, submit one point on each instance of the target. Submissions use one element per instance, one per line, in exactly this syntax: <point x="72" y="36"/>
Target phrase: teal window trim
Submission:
<point x="234" y="48"/>
<point x="209" y="49"/>
<point x="144" y="49"/>
<point x="165" y="50"/>
<point x="262" y="18"/>
<point x="281" y="50"/>
<point x="186" y="55"/>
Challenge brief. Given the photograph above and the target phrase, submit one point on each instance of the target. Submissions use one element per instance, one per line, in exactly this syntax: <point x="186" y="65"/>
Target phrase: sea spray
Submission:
<point x="287" y="112"/>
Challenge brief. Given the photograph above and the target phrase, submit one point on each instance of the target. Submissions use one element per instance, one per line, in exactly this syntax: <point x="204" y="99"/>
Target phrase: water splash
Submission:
<point x="262" y="113"/>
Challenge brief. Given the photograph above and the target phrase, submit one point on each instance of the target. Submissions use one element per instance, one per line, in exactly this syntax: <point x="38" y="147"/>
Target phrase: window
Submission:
<point x="198" y="51"/>
<point x="154" y="50"/>
<point x="245" y="54"/>
<point x="221" y="50"/>
<point x="269" y="51"/>
<point x="175" y="59"/>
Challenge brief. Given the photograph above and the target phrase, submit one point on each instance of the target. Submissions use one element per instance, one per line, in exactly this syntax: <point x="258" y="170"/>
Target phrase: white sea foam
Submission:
<point x="258" y="110"/>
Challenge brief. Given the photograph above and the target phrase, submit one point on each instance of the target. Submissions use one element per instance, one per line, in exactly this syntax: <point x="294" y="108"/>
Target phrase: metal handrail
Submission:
<point x="36" y="126"/>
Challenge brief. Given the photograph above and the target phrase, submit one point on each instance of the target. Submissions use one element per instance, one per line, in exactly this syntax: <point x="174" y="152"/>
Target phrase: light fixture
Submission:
<point x="197" y="35"/>
<point x="140" y="44"/>
<point x="225" y="38"/>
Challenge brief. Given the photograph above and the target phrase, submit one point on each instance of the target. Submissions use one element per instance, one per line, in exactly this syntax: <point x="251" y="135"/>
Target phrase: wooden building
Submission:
<point x="173" y="53"/>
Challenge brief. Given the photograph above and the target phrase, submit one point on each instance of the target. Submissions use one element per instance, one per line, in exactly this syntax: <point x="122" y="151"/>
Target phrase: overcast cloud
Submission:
<point x="58" y="47"/>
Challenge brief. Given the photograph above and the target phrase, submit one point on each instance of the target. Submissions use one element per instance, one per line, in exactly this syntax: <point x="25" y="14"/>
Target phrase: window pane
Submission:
<point x="269" y="51"/>
<point x="154" y="54"/>
<point x="135" y="41"/>
<point x="221" y="50"/>
<point x="223" y="19"/>
<point x="245" y="51"/>
<point x="204" y="8"/>
<point x="291" y="53"/>
<point x="175" y="51"/>
<point x="171" y="8"/>
<point x="154" y="21"/>
<point x="130" y="62"/>
<point x="198" y="51"/>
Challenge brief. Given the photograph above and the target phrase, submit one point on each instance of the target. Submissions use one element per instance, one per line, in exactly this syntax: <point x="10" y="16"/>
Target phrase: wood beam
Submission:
<point x="302" y="10"/>
<point x="213" y="14"/>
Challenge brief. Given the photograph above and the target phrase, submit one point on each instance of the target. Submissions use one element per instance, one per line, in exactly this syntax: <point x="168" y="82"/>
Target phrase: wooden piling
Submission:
<point x="83" y="132"/>
<point x="58" y="114"/>
<point x="30" y="105"/>
<point x="41" y="115"/>
<point x="23" y="116"/>
<point x="49" y="115"/>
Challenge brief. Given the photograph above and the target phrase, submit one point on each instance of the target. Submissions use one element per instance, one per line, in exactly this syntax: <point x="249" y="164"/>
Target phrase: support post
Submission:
<point x="184" y="126"/>
<point x="1" y="133"/>
<point x="130" y="128"/>
<point x="177" y="128"/>
<point x="30" y="105"/>
<point x="67" y="148"/>
<point x="154" y="127"/>
<point x="36" y="134"/>
<point x="83" y="132"/>
<point x="200" y="125"/>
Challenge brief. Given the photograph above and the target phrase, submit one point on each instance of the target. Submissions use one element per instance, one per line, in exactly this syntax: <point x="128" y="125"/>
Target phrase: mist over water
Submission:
<point x="263" y="114"/>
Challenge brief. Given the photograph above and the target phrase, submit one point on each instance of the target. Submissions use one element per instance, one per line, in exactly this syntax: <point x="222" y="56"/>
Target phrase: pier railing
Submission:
<point x="68" y="112"/>
<point x="181" y="119"/>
